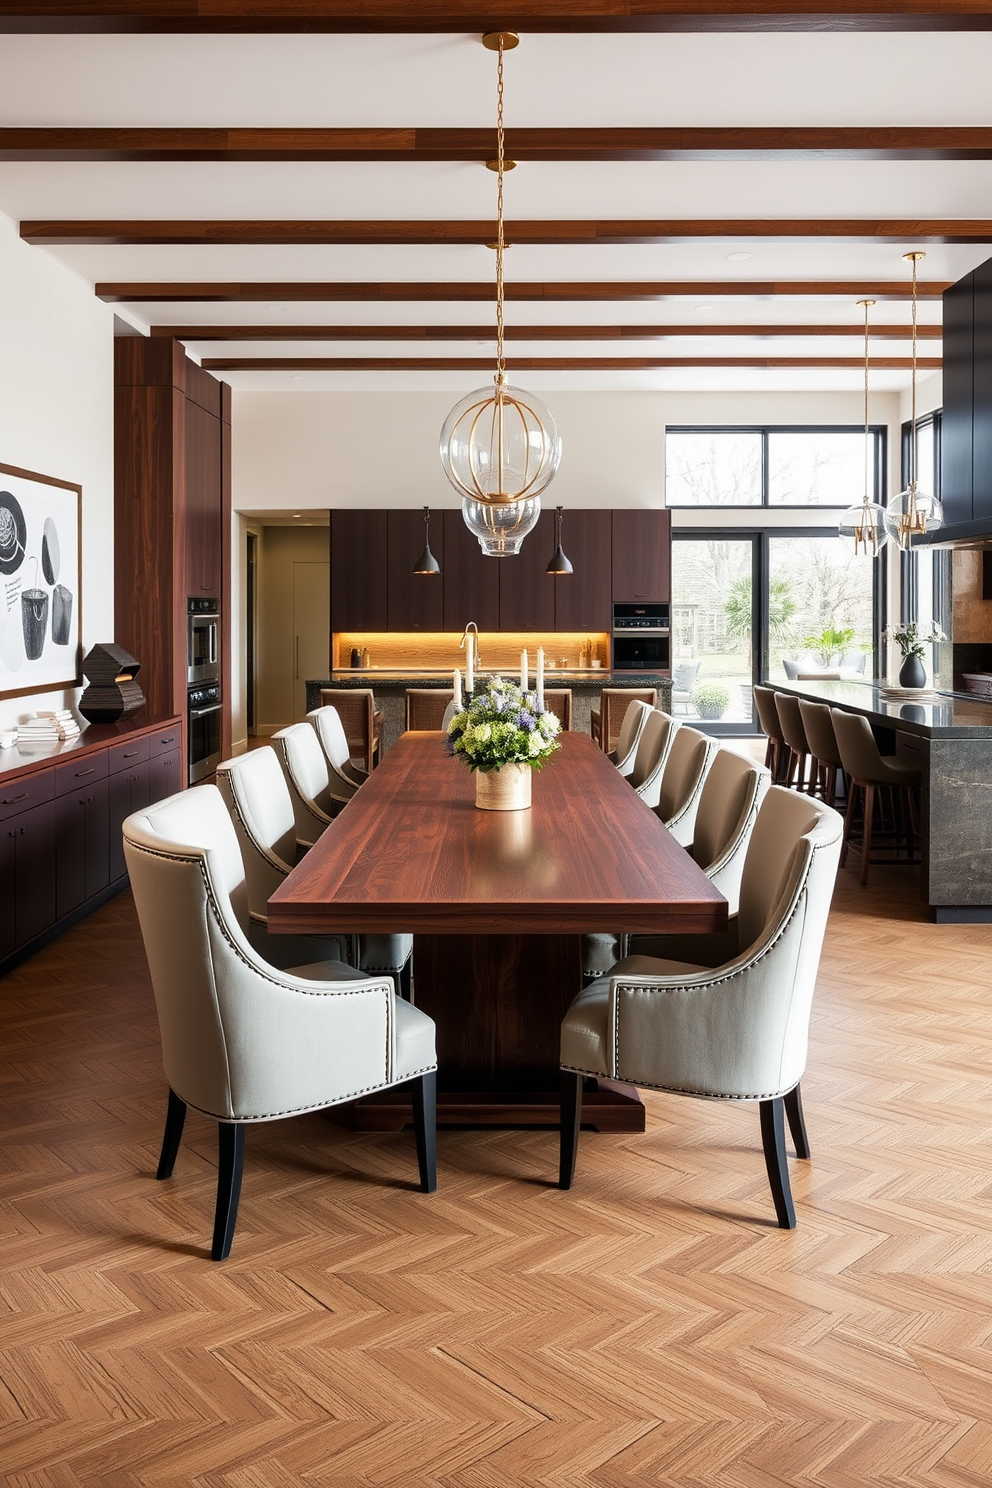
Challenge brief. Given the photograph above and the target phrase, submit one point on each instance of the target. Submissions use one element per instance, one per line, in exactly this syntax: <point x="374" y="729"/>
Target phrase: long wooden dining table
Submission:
<point x="497" y="903"/>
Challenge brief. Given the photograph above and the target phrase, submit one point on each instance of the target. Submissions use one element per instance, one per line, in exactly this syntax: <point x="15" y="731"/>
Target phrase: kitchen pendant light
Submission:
<point x="862" y="528"/>
<point x="427" y="563"/>
<point x="559" y="563"/>
<point x="913" y="512"/>
<point x="500" y="448"/>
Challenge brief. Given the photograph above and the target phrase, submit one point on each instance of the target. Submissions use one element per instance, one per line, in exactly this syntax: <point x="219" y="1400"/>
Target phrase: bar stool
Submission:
<point x="775" y="752"/>
<point x="868" y="771"/>
<point x="823" y="747"/>
<point x="425" y="706"/>
<point x="796" y="743"/>
<point x="558" y="700"/>
<point x="606" y="721"/>
<point x="360" y="719"/>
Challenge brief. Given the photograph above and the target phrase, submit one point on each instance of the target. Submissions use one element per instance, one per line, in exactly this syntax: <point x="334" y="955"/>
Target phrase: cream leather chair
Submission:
<point x="345" y="776"/>
<point x="254" y="790"/>
<point x="686" y="769"/>
<point x="652" y="751"/>
<point x="242" y="1042"/>
<point x="316" y="801"/>
<point x="634" y="720"/>
<point x="736" y="1031"/>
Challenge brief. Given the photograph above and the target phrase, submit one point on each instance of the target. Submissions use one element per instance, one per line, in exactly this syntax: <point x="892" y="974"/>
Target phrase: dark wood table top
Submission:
<point x="410" y="852"/>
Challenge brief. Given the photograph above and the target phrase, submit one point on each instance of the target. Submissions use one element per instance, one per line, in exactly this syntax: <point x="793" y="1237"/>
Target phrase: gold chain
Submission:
<point x="500" y="368"/>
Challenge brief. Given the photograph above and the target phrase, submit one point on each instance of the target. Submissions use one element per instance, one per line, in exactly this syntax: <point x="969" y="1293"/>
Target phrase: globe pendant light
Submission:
<point x="427" y="563"/>
<point x="559" y="563"/>
<point x="500" y="448"/>
<point x="862" y="528"/>
<point x="913" y="512"/>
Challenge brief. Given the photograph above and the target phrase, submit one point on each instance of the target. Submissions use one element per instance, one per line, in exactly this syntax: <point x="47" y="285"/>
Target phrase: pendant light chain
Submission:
<point x="500" y="365"/>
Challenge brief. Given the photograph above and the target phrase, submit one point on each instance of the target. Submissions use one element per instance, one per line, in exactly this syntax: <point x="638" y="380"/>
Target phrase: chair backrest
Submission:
<point x="764" y="701"/>
<point x="558" y="700"/>
<point x="652" y="751"/>
<point x="254" y="790"/>
<point x="728" y="807"/>
<point x="820" y="732"/>
<point x="326" y="721"/>
<point x="853" y="661"/>
<point x="634" y="720"/>
<point x="859" y="754"/>
<point x="613" y="705"/>
<point x="686" y="768"/>
<point x="792" y="722"/>
<point x="236" y="1034"/>
<point x="356" y="710"/>
<point x="684" y="676"/>
<point x="306" y="771"/>
<point x="425" y="706"/>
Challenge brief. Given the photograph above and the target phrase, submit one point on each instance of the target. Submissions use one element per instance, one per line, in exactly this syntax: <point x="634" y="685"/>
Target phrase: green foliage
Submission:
<point x="710" y="699"/>
<point x="830" y="642"/>
<point x="503" y="726"/>
<point x="781" y="607"/>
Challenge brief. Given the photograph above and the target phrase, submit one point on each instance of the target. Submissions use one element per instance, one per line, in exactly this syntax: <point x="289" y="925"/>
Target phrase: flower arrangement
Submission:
<point x="911" y="640"/>
<point x="503" y="726"/>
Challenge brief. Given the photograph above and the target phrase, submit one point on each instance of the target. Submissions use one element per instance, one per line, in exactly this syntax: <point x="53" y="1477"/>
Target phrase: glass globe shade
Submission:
<point x="912" y="513"/>
<point x="862" y="529"/>
<point x="500" y="445"/>
<point x="501" y="529"/>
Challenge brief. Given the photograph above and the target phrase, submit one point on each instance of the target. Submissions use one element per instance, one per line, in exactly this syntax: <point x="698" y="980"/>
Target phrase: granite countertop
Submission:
<point x="940" y="715"/>
<point x="554" y="676"/>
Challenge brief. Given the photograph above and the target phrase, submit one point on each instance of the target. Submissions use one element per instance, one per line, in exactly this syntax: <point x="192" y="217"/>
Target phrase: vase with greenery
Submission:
<point x="503" y="736"/>
<point x="710" y="699"/>
<point x="912" y="642"/>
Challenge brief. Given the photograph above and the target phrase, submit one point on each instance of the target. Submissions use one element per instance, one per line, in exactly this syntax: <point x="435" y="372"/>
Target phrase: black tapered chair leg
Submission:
<point x="773" y="1141"/>
<point x="425" y="1128"/>
<point x="571" y="1120"/>
<point x="231" y="1147"/>
<point x="175" y="1120"/>
<point x="797" y="1121"/>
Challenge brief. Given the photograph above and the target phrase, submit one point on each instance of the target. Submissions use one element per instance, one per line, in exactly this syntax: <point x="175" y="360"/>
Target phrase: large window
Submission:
<point x="775" y="467"/>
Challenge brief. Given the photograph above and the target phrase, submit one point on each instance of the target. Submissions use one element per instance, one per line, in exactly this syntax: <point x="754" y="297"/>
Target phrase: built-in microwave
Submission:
<point x="202" y="641"/>
<point x="641" y="640"/>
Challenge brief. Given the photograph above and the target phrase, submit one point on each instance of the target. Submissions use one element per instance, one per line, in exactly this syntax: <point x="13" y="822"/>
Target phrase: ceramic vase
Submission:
<point x="912" y="673"/>
<point x="505" y="789"/>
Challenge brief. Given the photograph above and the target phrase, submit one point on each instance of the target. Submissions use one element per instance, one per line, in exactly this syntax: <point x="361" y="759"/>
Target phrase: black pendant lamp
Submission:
<point x="559" y="563"/>
<point x="427" y="563"/>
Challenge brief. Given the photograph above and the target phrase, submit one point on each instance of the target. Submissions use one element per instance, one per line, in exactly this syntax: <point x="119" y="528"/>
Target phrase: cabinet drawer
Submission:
<point x="164" y="740"/>
<point x="127" y="753"/>
<point x="24" y="792"/>
<point x="76" y="773"/>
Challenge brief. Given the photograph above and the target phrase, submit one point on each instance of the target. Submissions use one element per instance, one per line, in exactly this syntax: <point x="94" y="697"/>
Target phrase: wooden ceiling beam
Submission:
<point x="548" y="364"/>
<point x="271" y="332"/>
<point x="370" y="292"/>
<point x="585" y="144"/>
<point x="226" y="231"/>
<point x="303" y="16"/>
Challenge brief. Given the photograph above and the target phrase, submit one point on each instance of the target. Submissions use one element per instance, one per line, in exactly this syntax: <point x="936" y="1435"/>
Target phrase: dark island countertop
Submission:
<point x="937" y="715"/>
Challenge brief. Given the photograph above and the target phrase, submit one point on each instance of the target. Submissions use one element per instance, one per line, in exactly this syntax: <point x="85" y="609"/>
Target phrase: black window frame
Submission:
<point x="909" y="561"/>
<point x="880" y="431"/>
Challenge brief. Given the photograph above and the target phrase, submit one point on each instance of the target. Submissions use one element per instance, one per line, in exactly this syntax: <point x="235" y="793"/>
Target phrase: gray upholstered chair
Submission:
<point x="736" y="1031"/>
<point x="683" y="681"/>
<point x="606" y="721"/>
<point x="870" y="777"/>
<point x="241" y="1041"/>
<point x="255" y="792"/>
<point x="360" y="719"/>
<point x="345" y="776"/>
<point x="686" y="768"/>
<point x="315" y="798"/>
<point x="652" y="752"/>
<point x="634" y="720"/>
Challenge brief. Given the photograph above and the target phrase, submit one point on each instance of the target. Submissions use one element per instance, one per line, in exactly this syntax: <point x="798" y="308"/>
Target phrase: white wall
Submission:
<point x="57" y="417"/>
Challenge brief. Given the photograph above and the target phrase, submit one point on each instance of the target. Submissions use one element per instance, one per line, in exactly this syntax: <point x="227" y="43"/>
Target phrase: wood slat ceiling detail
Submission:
<point x="367" y="291"/>
<point x="270" y="332"/>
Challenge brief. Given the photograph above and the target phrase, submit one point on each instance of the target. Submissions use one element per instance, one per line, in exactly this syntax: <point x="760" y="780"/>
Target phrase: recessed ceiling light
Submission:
<point x="297" y="516"/>
<point x="739" y="257"/>
<point x="703" y="307"/>
<point x="297" y="377"/>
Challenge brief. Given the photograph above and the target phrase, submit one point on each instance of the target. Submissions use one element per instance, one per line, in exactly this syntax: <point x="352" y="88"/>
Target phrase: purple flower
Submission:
<point x="526" y="720"/>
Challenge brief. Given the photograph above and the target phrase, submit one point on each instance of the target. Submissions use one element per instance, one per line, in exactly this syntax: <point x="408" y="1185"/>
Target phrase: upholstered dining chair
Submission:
<point x="606" y="721"/>
<point x="682" y="781"/>
<point x="425" y="706"/>
<point x="776" y="749"/>
<point x="634" y="720"/>
<point x="254" y="790"/>
<point x="345" y="775"/>
<point x="819" y="728"/>
<point x="736" y="1031"/>
<point x="243" y="1042"/>
<point x="652" y="752"/>
<point x="871" y="776"/>
<point x="558" y="700"/>
<point x="361" y="720"/>
<point x="312" y="788"/>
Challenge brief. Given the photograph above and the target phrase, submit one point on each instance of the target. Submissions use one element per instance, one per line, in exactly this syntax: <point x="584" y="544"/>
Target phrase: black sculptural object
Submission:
<point x="112" y="692"/>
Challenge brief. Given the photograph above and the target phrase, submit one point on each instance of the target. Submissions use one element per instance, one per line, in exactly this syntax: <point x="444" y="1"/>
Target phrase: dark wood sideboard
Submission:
<point x="61" y="810"/>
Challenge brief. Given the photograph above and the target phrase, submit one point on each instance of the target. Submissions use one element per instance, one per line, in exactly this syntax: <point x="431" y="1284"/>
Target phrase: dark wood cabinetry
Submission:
<point x="29" y="835"/>
<point x="982" y="398"/>
<point x="966" y="428"/>
<point x="358" y="570"/>
<point x="584" y="599"/>
<point x="414" y="601"/>
<point x="642" y="555"/>
<point x="203" y="500"/>
<point x="470" y="579"/>
<point x="526" y="589"/>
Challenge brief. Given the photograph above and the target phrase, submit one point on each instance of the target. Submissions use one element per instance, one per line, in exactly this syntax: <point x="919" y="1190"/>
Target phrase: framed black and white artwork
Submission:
<point x="40" y="572"/>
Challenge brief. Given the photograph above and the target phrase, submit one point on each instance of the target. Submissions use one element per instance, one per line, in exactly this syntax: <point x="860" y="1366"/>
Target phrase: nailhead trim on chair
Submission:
<point x="320" y="1106"/>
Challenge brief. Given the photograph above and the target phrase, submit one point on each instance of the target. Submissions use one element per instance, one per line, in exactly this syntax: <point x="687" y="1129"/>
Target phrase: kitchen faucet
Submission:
<point x="461" y="644"/>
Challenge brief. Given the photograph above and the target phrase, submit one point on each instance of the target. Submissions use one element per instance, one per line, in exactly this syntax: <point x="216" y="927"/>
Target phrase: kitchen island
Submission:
<point x="390" y="686"/>
<point x="951" y="737"/>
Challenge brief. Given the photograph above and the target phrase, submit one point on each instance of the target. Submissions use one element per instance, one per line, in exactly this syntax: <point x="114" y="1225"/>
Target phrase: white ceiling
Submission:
<point x="856" y="79"/>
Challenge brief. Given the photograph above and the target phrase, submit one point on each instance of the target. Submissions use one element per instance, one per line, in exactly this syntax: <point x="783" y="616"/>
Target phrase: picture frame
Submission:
<point x="40" y="582"/>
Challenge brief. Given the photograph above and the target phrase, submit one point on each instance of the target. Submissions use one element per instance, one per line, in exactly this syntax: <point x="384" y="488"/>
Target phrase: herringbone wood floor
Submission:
<point x="651" y="1327"/>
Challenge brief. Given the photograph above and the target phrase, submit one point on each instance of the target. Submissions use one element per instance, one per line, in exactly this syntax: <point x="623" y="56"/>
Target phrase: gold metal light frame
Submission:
<point x="913" y="513"/>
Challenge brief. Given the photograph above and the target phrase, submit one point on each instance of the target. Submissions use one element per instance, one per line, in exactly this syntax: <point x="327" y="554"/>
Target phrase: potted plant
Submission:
<point x="710" y="699"/>
<point x="912" y="642"/>
<point x="503" y="735"/>
<point x="830" y="643"/>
